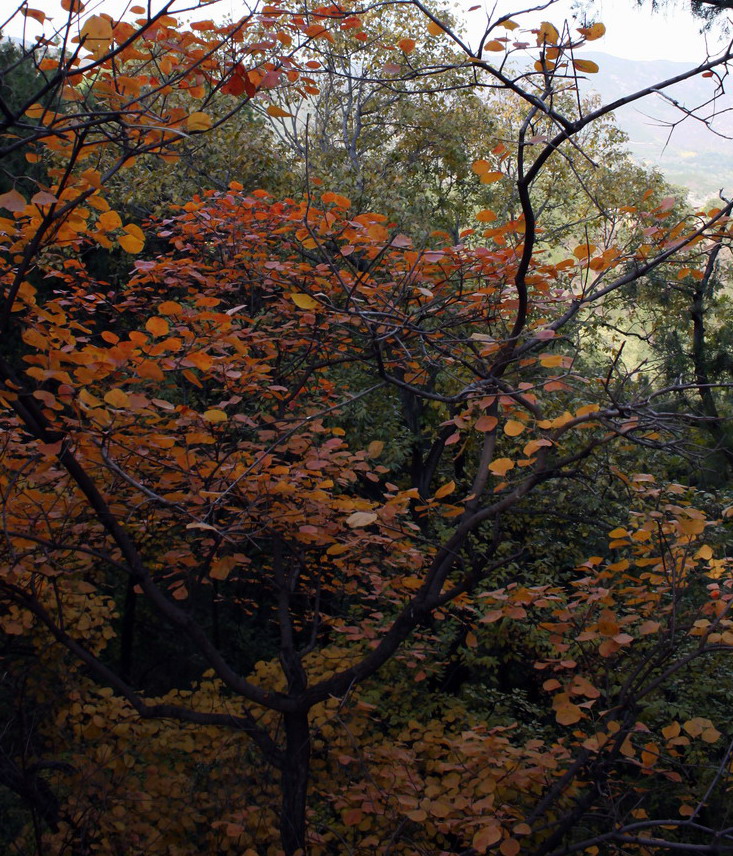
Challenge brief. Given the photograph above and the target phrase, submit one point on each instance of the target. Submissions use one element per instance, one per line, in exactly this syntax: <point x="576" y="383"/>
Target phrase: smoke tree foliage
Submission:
<point x="230" y="598"/>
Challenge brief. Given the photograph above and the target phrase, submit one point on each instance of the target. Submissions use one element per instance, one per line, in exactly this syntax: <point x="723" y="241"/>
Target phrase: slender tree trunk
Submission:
<point x="294" y="784"/>
<point x="127" y="632"/>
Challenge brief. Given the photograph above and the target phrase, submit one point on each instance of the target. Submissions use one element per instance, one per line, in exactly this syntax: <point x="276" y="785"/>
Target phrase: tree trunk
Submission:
<point x="294" y="784"/>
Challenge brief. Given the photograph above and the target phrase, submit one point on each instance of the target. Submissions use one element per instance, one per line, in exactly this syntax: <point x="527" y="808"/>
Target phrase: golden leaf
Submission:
<point x="303" y="301"/>
<point x="215" y="415"/>
<point x="547" y="34"/>
<point x="199" y="121"/>
<point x="595" y="31"/>
<point x="513" y="428"/>
<point x="446" y="489"/>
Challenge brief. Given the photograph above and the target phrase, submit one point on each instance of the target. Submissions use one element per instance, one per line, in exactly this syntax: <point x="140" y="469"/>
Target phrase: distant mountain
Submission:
<point x="686" y="150"/>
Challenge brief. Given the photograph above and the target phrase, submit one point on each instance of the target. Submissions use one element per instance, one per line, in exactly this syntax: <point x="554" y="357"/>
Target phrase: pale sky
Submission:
<point x="632" y="33"/>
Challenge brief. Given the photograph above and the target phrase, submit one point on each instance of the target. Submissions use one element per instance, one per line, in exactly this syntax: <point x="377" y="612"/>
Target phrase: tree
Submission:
<point x="183" y="446"/>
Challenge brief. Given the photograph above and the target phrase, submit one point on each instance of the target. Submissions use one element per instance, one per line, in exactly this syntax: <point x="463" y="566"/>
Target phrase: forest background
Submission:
<point x="365" y="458"/>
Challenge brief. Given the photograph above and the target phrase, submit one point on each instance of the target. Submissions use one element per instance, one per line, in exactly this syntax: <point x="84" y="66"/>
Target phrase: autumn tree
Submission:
<point x="183" y="448"/>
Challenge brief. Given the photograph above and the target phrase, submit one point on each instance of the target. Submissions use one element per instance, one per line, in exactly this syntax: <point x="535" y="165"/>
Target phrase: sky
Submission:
<point x="632" y="33"/>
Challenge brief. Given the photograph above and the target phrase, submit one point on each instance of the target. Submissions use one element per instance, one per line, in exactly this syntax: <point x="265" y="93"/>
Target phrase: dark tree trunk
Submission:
<point x="127" y="632"/>
<point x="294" y="784"/>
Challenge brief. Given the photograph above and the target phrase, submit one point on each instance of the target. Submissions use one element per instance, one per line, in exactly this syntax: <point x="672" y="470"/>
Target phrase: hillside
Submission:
<point x="693" y="153"/>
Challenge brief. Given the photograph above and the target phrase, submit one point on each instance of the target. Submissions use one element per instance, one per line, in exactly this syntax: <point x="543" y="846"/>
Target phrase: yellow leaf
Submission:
<point x="117" y="398"/>
<point x="595" y="31"/>
<point x="446" y="489"/>
<point x="406" y="45"/>
<point x="434" y="28"/>
<point x="513" y="428"/>
<point x="337" y="549"/>
<point x="691" y="525"/>
<point x="509" y="25"/>
<point x="361" y="518"/>
<point x="303" y="301"/>
<point x="215" y="415"/>
<point x="586" y="409"/>
<point x="277" y="112"/>
<point x="547" y="34"/>
<point x="494" y="45"/>
<point x="199" y="122"/>
<point x="551" y="361"/>
<point x="586" y="65"/>
<point x="705" y="553"/>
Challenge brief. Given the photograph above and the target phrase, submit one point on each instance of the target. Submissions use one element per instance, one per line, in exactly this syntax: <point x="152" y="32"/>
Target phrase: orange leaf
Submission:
<point x="446" y="489"/>
<point x="486" y="423"/>
<point x="200" y="360"/>
<point x="157" y="326"/>
<point x="566" y="712"/>
<point x="117" y="398"/>
<point x="486" y="216"/>
<point x="513" y="428"/>
<point x="501" y="466"/>
<point x="485" y="837"/>
<point x="406" y="45"/>
<point x="277" y="112"/>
